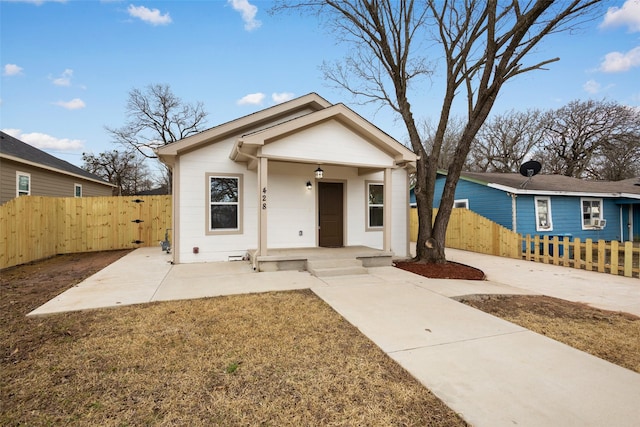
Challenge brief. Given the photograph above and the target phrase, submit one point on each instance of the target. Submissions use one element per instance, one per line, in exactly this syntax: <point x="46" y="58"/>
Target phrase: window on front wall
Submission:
<point x="375" y="205"/>
<point x="543" y="214"/>
<point x="77" y="190"/>
<point x="461" y="204"/>
<point x="591" y="212"/>
<point x="23" y="184"/>
<point x="224" y="203"/>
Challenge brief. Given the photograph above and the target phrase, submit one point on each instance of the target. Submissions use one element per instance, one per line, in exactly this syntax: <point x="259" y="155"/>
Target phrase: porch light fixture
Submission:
<point x="308" y="185"/>
<point x="319" y="173"/>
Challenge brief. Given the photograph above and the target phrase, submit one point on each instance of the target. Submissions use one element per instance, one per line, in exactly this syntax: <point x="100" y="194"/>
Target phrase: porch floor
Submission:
<point x="297" y="258"/>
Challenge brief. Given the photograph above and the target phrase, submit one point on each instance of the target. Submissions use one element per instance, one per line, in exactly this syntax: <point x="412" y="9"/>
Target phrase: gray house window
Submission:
<point x="23" y="184"/>
<point x="77" y="190"/>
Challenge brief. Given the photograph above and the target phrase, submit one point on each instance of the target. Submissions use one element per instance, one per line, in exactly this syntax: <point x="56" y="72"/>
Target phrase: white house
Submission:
<point x="301" y="174"/>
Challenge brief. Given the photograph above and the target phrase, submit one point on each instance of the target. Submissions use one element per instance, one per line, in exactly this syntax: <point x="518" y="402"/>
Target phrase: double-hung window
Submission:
<point x="77" y="190"/>
<point x="591" y="213"/>
<point x="23" y="184"/>
<point x="224" y="212"/>
<point x="375" y="205"/>
<point x="543" y="214"/>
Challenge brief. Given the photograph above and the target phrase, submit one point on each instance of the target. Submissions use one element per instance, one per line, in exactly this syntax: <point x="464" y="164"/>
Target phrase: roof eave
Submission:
<point x="514" y="190"/>
<point x="52" y="169"/>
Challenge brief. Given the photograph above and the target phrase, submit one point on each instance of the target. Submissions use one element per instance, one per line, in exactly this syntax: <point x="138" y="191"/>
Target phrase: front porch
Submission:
<point x="320" y="261"/>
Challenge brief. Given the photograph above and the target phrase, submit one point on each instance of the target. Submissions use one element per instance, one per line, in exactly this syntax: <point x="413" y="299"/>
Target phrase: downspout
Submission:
<point x="621" y="226"/>
<point x="514" y="215"/>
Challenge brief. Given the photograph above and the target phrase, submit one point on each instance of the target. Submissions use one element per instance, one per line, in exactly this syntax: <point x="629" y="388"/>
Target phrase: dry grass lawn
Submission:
<point x="268" y="359"/>
<point x="609" y="335"/>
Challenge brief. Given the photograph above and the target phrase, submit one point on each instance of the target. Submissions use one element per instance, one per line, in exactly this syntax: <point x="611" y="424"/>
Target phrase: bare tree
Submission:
<point x="126" y="170"/>
<point x="455" y="127"/>
<point x="583" y="131"/>
<point x="157" y="117"/>
<point x="484" y="43"/>
<point x="618" y="159"/>
<point x="505" y="140"/>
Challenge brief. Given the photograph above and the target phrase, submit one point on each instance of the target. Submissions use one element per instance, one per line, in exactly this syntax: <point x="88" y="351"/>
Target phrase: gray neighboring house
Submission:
<point x="25" y="170"/>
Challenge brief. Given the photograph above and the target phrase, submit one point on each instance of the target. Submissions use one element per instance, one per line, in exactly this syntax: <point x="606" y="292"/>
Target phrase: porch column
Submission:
<point x="386" y="232"/>
<point x="263" y="198"/>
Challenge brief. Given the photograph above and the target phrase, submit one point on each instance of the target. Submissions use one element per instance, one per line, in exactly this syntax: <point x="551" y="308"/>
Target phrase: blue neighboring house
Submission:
<point x="553" y="205"/>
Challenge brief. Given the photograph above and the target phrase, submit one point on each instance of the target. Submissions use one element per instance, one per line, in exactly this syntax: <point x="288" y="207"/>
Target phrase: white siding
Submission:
<point x="328" y="142"/>
<point x="291" y="207"/>
<point x="193" y="206"/>
<point x="357" y="209"/>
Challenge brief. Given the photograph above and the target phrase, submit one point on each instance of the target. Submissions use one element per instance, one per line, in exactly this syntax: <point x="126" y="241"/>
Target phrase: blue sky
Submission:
<point x="68" y="66"/>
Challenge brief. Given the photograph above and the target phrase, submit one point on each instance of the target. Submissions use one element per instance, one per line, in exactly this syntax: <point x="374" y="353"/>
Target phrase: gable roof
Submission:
<point x="247" y="144"/>
<point x="554" y="184"/>
<point x="13" y="149"/>
<point x="281" y="111"/>
<point x="256" y="129"/>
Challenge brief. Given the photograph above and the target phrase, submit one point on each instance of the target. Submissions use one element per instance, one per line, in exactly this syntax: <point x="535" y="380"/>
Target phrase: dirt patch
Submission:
<point x="448" y="270"/>
<point x="264" y="359"/>
<point x="609" y="335"/>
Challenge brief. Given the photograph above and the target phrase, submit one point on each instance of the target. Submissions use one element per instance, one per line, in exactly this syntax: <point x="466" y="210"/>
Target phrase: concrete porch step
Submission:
<point x="335" y="267"/>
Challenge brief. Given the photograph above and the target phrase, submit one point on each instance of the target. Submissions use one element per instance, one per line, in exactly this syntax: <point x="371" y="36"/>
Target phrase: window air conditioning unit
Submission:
<point x="599" y="223"/>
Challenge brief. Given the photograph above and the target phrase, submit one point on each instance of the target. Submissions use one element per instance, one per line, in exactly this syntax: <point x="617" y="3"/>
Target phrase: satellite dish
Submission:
<point x="530" y="168"/>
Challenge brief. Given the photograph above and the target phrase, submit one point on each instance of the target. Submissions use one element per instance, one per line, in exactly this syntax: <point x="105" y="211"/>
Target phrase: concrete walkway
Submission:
<point x="492" y="372"/>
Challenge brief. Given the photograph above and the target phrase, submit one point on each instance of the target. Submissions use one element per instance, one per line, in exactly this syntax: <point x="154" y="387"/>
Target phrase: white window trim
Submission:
<point x="600" y="216"/>
<point x="464" y="202"/>
<point x="535" y="205"/>
<point x="75" y="190"/>
<point x="18" y="175"/>
<point x="218" y="231"/>
<point x="368" y="184"/>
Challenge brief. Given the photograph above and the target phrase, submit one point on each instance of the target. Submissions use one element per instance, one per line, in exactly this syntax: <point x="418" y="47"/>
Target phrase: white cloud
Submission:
<point x="248" y="12"/>
<point x="592" y="87"/>
<point x="628" y="15"/>
<point x="46" y="142"/>
<point x="281" y="97"/>
<point x="252" y="99"/>
<point x="74" y="104"/>
<point x="64" y="79"/>
<point x="615" y="62"/>
<point x="12" y="70"/>
<point x="151" y="16"/>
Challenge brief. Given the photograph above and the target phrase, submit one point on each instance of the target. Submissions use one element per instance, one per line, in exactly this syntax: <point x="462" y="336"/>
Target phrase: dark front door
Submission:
<point x="330" y="209"/>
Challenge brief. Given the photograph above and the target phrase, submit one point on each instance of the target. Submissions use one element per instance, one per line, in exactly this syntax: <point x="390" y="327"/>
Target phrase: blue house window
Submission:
<point x="543" y="214"/>
<point x="591" y="213"/>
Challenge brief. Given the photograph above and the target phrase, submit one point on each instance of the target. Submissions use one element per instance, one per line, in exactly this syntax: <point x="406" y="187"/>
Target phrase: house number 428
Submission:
<point x="264" y="197"/>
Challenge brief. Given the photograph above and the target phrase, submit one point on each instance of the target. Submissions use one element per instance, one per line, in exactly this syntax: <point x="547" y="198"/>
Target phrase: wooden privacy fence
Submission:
<point x="33" y="227"/>
<point x="606" y="257"/>
<point x="471" y="232"/>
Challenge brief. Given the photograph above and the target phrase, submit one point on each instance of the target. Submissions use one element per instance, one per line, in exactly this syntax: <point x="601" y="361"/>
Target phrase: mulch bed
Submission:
<point x="448" y="270"/>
